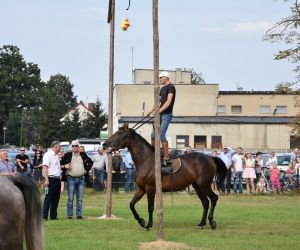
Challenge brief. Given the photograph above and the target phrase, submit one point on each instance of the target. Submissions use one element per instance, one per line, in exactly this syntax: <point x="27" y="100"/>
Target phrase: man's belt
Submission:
<point x="52" y="176"/>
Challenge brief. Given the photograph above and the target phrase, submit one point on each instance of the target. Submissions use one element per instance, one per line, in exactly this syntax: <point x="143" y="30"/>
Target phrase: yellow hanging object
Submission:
<point x="125" y="24"/>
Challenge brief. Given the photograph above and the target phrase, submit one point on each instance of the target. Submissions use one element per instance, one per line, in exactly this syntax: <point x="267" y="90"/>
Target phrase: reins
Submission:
<point x="142" y="122"/>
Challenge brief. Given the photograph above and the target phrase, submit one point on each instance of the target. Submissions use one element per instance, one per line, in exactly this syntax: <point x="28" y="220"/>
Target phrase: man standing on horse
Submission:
<point x="167" y="100"/>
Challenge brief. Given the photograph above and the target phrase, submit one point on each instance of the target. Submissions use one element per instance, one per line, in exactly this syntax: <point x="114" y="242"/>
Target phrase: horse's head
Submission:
<point x="120" y="139"/>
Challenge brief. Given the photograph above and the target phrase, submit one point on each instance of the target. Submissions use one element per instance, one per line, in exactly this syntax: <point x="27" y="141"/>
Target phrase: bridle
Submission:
<point x="135" y="127"/>
<point x="142" y="122"/>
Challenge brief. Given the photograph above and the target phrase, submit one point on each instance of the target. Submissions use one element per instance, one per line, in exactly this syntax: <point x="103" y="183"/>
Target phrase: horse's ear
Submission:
<point x="125" y="127"/>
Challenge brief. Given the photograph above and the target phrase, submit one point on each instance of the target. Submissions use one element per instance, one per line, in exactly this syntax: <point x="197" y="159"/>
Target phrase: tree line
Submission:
<point x="31" y="109"/>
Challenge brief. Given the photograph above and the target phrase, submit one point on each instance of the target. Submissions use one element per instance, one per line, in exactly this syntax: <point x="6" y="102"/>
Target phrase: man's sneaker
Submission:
<point x="79" y="217"/>
<point x="69" y="218"/>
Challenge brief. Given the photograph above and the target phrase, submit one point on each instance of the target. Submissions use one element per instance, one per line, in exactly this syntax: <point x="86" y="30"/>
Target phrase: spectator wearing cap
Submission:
<point x="225" y="156"/>
<point x="77" y="164"/>
<point x="167" y="100"/>
<point x="51" y="172"/>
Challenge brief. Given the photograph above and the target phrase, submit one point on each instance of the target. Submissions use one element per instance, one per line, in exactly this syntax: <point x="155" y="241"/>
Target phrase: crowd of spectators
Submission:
<point x="56" y="171"/>
<point x="245" y="166"/>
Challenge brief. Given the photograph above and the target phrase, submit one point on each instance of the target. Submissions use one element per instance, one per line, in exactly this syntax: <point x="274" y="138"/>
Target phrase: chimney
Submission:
<point x="91" y="106"/>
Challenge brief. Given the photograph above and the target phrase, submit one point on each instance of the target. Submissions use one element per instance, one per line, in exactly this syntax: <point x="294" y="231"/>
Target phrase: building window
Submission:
<point x="265" y="109"/>
<point x="236" y="109"/>
<point x="147" y="82"/>
<point x="221" y="109"/>
<point x="216" y="142"/>
<point x="182" y="141"/>
<point x="200" y="141"/>
<point x="280" y="110"/>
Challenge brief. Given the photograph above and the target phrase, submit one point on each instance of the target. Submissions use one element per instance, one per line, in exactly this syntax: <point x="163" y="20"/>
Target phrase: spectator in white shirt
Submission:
<point x="51" y="172"/>
<point x="238" y="164"/>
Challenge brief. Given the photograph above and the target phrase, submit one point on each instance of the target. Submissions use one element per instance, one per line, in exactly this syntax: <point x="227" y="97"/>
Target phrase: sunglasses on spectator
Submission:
<point x="74" y="146"/>
<point x="22" y="149"/>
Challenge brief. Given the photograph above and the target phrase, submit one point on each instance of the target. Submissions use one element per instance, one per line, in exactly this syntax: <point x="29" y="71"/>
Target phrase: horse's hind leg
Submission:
<point x="137" y="196"/>
<point x="213" y="199"/>
<point x="205" y="203"/>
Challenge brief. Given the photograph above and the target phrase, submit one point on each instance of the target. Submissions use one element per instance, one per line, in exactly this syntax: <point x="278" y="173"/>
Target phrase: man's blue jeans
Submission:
<point x="100" y="176"/>
<point x="238" y="179"/>
<point x="129" y="184"/>
<point x="165" y="120"/>
<point x="75" y="185"/>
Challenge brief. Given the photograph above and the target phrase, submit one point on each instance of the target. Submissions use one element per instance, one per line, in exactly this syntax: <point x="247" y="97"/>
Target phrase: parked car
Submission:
<point x="283" y="160"/>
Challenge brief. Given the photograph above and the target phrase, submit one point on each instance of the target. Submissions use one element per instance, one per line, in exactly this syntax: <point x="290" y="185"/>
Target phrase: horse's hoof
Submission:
<point x="199" y="226"/>
<point x="142" y="222"/>
<point x="146" y="229"/>
<point x="213" y="225"/>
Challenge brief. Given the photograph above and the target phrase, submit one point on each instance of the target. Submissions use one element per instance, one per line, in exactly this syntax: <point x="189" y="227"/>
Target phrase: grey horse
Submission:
<point x="20" y="214"/>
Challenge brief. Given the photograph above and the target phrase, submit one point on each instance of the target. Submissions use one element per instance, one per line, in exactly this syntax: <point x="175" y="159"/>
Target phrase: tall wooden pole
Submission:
<point x="159" y="202"/>
<point x="111" y="20"/>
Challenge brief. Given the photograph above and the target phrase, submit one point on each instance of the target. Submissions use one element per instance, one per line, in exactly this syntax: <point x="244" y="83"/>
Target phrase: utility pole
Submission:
<point x="22" y="124"/>
<point x="111" y="20"/>
<point x="4" y="131"/>
<point x="158" y="195"/>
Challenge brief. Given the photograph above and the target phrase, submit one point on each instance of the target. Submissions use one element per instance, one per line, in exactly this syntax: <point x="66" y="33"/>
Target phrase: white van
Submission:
<point x="90" y="144"/>
<point x="65" y="146"/>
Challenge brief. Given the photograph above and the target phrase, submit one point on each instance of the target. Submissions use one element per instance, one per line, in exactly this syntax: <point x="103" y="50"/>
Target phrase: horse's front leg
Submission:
<point x="137" y="196"/>
<point x="150" y="197"/>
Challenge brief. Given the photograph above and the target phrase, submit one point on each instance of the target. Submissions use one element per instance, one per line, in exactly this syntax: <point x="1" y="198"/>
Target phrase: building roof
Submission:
<point x="253" y="92"/>
<point x="219" y="119"/>
<point x="82" y="110"/>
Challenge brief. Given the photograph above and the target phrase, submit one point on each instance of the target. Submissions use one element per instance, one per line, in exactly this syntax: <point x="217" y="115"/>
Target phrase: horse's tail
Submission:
<point x="34" y="230"/>
<point x="221" y="172"/>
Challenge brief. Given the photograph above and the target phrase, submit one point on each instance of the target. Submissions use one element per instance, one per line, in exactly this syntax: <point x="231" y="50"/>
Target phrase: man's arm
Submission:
<point x="233" y="163"/>
<point x="88" y="162"/>
<point x="66" y="160"/>
<point x="45" y="174"/>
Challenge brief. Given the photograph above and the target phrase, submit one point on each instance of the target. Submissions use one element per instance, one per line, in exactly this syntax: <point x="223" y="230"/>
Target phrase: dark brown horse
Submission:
<point x="196" y="169"/>
<point x="20" y="211"/>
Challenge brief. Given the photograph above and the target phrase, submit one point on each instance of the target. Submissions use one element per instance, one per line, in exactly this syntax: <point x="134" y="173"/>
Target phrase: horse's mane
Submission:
<point x="133" y="132"/>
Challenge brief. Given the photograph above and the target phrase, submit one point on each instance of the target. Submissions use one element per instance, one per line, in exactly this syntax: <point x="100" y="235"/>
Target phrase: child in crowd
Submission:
<point x="290" y="172"/>
<point x="261" y="185"/>
<point x="275" y="172"/>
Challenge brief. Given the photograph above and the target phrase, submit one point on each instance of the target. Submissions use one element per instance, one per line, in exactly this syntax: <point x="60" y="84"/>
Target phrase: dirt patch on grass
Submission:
<point x="163" y="245"/>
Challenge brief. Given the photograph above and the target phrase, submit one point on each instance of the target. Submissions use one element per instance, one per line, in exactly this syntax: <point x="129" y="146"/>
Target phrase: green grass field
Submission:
<point x="243" y="222"/>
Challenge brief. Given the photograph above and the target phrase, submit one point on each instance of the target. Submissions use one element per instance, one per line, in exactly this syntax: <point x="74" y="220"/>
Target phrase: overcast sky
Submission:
<point x="222" y="39"/>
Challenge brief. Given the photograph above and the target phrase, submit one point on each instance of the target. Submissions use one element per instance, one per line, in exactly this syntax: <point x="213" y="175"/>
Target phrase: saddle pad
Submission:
<point x="176" y="165"/>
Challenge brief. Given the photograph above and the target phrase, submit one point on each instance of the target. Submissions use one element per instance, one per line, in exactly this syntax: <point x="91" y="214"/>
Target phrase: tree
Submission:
<point x="20" y="84"/>
<point x="196" y="78"/>
<point x="284" y="88"/>
<point x="62" y="88"/>
<point x="286" y="30"/>
<point x="58" y="98"/>
<point x="94" y="123"/>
